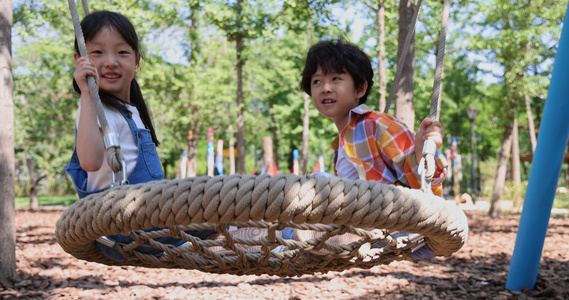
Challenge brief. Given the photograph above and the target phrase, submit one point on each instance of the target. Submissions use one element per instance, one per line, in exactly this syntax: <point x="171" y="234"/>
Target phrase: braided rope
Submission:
<point x="333" y="206"/>
<point x="436" y="98"/>
<point x="85" y="7"/>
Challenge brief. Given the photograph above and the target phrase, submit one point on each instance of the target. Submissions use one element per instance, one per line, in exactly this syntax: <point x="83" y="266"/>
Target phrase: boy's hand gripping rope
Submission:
<point x="427" y="165"/>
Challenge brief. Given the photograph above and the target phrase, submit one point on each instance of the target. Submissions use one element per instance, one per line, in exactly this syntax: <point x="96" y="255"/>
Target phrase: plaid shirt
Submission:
<point x="381" y="148"/>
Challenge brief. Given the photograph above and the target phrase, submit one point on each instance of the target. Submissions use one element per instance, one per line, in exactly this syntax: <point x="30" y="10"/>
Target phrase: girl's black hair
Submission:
<point x="91" y="25"/>
<point x="340" y="57"/>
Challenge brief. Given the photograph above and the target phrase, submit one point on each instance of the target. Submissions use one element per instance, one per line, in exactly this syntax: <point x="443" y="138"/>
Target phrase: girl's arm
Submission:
<point x="89" y="144"/>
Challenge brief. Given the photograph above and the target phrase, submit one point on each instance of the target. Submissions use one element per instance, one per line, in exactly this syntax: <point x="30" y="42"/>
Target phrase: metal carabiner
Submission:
<point x="425" y="184"/>
<point x="111" y="139"/>
<point x="124" y="180"/>
<point x="429" y="149"/>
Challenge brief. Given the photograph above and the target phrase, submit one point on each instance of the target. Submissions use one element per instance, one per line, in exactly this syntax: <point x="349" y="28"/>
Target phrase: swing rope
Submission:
<point x="427" y="163"/>
<point x="436" y="96"/>
<point x="437" y="85"/>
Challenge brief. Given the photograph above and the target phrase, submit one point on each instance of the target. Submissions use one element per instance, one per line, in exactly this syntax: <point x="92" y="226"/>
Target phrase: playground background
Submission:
<point x="477" y="271"/>
<point x="189" y="78"/>
<point x="45" y="108"/>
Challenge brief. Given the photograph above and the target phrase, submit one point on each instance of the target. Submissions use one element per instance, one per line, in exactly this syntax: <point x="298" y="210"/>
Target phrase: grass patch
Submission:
<point x="561" y="200"/>
<point x="23" y="202"/>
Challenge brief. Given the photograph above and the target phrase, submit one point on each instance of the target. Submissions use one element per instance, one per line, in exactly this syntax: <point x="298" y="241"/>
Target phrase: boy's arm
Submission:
<point x="397" y="146"/>
<point x="414" y="178"/>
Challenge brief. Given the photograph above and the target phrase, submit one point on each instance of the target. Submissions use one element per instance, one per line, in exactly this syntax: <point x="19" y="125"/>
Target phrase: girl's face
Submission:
<point x="115" y="60"/>
<point x="334" y="95"/>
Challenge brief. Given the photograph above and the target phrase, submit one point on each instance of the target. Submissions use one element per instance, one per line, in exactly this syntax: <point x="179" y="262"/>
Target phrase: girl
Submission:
<point x="114" y="59"/>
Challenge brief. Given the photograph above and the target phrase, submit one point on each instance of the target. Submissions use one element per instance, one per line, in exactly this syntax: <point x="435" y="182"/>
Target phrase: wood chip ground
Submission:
<point x="478" y="271"/>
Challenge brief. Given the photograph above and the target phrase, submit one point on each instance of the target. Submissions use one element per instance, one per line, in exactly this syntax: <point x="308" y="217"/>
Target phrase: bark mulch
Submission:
<point x="478" y="271"/>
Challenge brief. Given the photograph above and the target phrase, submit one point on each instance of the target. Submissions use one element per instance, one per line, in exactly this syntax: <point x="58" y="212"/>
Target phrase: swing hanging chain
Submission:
<point x="115" y="158"/>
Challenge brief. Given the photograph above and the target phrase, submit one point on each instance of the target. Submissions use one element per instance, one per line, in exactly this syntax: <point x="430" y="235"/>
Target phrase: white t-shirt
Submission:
<point x="102" y="178"/>
<point x="344" y="168"/>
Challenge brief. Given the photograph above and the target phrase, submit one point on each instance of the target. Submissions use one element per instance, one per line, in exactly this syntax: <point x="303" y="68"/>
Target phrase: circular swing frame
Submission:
<point x="374" y="211"/>
<point x="332" y="206"/>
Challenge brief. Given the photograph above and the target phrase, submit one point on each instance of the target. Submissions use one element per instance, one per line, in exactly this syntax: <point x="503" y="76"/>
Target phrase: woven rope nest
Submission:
<point x="331" y="205"/>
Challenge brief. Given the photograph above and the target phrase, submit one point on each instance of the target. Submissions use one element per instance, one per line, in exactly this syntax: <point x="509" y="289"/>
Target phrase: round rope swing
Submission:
<point x="375" y="213"/>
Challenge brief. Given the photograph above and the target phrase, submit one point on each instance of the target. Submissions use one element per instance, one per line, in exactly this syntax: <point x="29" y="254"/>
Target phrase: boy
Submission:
<point x="371" y="145"/>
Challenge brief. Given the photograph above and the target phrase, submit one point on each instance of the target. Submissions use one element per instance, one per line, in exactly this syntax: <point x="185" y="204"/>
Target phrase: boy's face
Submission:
<point x="334" y="95"/>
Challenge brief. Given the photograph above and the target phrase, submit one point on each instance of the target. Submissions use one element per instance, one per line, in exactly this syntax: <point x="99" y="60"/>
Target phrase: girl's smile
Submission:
<point x="115" y="60"/>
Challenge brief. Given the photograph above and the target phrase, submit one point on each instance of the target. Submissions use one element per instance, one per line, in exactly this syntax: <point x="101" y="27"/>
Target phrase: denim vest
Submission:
<point x="147" y="168"/>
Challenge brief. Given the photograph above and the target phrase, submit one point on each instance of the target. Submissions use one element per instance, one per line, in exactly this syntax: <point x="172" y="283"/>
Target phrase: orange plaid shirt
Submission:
<point x="382" y="148"/>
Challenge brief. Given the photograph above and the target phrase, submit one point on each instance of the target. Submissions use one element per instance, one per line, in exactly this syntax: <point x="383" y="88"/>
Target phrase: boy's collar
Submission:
<point x="361" y="109"/>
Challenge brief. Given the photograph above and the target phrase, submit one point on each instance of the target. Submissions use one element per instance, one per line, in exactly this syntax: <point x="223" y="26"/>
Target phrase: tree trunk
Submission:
<point x="193" y="132"/>
<point x="404" y="106"/>
<point x="240" y="108"/>
<point x="531" y="125"/>
<point x="380" y="18"/>
<point x="501" y="171"/>
<point x="275" y="142"/>
<point x="34" y="183"/>
<point x="7" y="194"/>
<point x="34" y="203"/>
<point x="305" y="128"/>
<point x="191" y="151"/>
<point x="516" y="169"/>
<point x="268" y="154"/>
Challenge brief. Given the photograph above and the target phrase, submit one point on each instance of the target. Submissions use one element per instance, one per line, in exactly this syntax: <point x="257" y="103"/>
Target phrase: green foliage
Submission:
<point x="513" y="191"/>
<point x="487" y="175"/>
<point x="561" y="200"/>
<point x="189" y="81"/>
<point x="65" y="200"/>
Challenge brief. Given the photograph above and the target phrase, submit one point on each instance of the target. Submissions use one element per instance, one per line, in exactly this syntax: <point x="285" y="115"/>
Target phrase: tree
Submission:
<point x="243" y="23"/>
<point x="42" y="82"/>
<point x="531" y="125"/>
<point x="516" y="172"/>
<point x="517" y="35"/>
<point x="404" y="108"/>
<point x="240" y="21"/>
<point x="379" y="9"/>
<point x="7" y="205"/>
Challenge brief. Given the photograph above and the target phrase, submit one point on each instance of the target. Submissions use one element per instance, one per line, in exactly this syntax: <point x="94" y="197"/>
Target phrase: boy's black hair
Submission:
<point x="91" y="25"/>
<point x="338" y="56"/>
